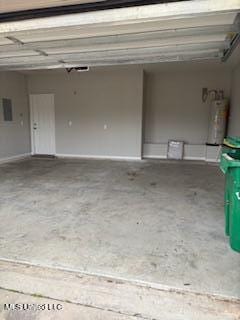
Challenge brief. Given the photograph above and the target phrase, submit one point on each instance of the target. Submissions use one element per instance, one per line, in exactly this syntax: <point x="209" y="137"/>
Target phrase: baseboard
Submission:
<point x="76" y="156"/>
<point x="154" y="157"/>
<point x="165" y="157"/>
<point x="15" y="158"/>
<point x="198" y="152"/>
<point x="195" y="158"/>
<point x="213" y="160"/>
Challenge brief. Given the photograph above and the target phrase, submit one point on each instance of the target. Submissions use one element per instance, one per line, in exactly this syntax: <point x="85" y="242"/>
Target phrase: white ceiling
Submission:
<point x="178" y="31"/>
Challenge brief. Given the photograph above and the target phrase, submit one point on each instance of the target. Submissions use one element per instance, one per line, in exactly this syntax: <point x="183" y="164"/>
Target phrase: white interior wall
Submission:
<point x="14" y="136"/>
<point x="174" y="108"/>
<point x="104" y="106"/>
<point x="113" y="96"/>
<point x="234" y="121"/>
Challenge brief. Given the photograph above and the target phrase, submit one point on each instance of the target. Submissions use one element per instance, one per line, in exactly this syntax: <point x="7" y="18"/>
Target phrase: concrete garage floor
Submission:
<point x="152" y="221"/>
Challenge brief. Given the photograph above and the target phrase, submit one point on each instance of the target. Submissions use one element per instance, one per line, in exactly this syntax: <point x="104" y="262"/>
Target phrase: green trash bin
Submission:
<point x="230" y="165"/>
<point x="231" y="146"/>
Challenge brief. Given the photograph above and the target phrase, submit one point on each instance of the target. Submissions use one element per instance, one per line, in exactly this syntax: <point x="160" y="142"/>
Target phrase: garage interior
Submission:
<point x="89" y="188"/>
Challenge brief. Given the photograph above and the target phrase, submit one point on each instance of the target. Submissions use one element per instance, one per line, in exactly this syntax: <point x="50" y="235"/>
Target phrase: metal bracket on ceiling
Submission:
<point x="233" y="45"/>
<point x="234" y="42"/>
<point x="15" y="40"/>
<point x="41" y="52"/>
<point x="78" y="69"/>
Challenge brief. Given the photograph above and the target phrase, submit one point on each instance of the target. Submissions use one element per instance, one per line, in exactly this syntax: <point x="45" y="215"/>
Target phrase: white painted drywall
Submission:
<point x="98" y="113"/>
<point x="174" y="108"/>
<point x="14" y="136"/>
<point x="234" y="121"/>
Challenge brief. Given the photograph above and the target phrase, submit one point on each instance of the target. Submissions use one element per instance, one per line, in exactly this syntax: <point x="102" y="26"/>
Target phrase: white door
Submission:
<point x="43" y="124"/>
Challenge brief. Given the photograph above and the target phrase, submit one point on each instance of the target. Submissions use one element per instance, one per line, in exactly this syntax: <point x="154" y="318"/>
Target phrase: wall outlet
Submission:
<point x="105" y="127"/>
<point x="70" y="123"/>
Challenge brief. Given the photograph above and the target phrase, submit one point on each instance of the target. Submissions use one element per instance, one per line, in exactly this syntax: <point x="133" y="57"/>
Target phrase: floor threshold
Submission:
<point x="120" y="296"/>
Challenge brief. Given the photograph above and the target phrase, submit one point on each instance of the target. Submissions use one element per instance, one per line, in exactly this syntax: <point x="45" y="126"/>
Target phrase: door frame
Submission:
<point x="32" y="122"/>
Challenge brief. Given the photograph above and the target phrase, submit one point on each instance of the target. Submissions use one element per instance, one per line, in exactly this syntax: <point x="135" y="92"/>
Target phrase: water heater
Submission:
<point x="217" y="122"/>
